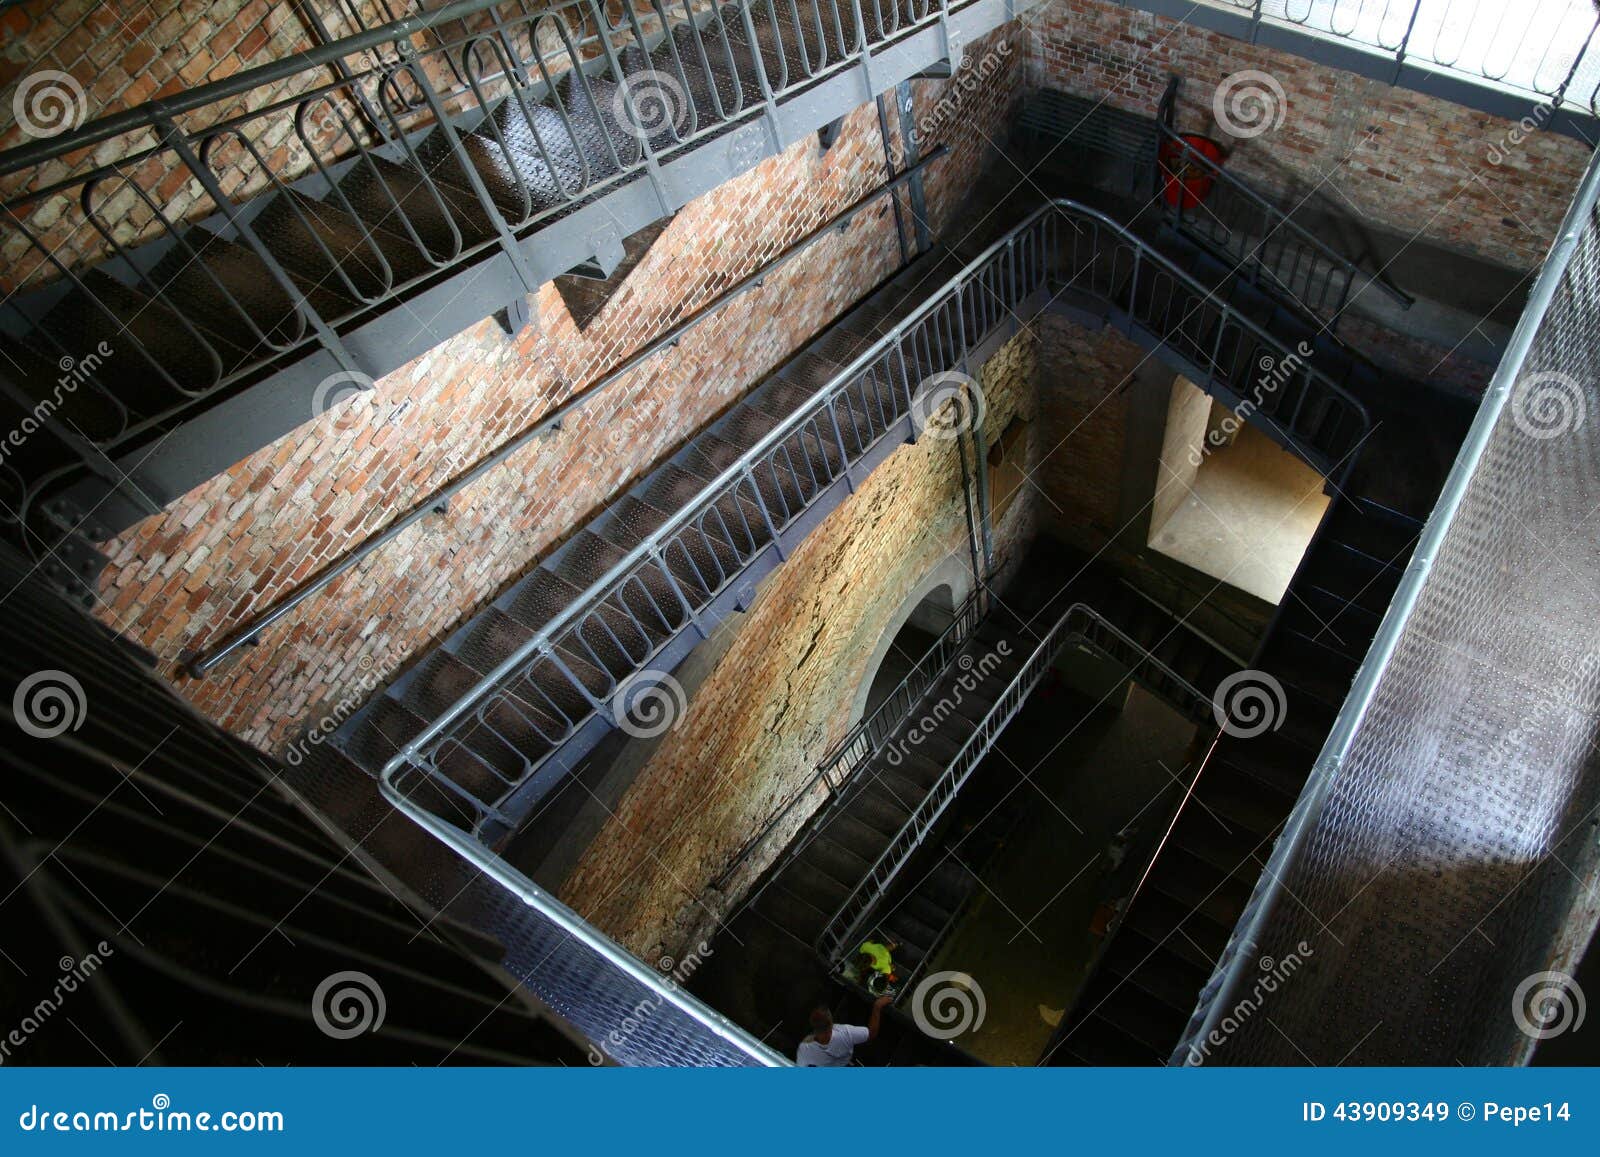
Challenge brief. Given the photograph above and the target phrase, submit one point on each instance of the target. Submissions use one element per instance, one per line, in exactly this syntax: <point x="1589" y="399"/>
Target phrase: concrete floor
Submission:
<point x="1248" y="516"/>
<point x="1025" y="940"/>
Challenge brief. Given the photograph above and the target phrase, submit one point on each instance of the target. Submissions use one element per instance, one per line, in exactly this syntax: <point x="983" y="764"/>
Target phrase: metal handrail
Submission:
<point x="569" y="77"/>
<point x="1079" y="623"/>
<point x="1044" y="248"/>
<point x="868" y="737"/>
<point x="1209" y="227"/>
<point x="1523" y="55"/>
<point x="249" y="633"/>
<point x="1238" y="959"/>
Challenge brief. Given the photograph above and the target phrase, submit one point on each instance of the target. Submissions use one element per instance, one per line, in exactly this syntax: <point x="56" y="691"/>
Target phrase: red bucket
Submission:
<point x="1186" y="178"/>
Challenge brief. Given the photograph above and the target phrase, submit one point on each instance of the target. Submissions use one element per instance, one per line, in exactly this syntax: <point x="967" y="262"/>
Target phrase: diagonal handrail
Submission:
<point x="1030" y="255"/>
<point x="1342" y="272"/>
<point x="1079" y="623"/>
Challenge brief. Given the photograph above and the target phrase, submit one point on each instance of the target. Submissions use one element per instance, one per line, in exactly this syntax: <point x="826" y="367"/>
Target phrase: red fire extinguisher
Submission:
<point x="1186" y="178"/>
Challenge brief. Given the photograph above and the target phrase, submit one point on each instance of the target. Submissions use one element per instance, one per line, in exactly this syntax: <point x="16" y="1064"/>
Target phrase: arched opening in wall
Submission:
<point x="916" y="634"/>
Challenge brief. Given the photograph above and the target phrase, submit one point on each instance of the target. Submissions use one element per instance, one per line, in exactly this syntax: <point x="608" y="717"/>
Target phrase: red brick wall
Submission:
<point x="117" y="57"/>
<point x="1411" y="162"/>
<point x="781" y="695"/>
<point x="237" y="544"/>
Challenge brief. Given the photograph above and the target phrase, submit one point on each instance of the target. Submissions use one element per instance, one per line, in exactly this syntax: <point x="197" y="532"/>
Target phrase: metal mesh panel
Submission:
<point x="1445" y="849"/>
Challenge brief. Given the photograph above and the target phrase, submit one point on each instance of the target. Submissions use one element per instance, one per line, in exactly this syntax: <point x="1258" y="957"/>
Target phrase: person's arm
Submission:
<point x="875" y="1021"/>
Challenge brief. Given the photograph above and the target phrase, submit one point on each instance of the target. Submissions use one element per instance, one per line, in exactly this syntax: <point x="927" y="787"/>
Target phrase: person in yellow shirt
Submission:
<point x="875" y="964"/>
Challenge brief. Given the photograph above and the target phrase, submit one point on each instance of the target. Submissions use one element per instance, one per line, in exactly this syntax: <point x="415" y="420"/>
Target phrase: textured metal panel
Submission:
<point x="1444" y="853"/>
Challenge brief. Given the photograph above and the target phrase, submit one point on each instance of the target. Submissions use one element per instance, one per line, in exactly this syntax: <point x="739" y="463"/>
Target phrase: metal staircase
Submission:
<point x="1255" y="236"/>
<point x="933" y="786"/>
<point x="201" y="288"/>
<point x="481" y="730"/>
<point x="1176" y="923"/>
<point x="502" y="712"/>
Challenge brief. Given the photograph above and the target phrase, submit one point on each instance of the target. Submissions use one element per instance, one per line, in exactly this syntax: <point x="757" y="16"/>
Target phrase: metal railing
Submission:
<point x="868" y="737"/>
<point x="1079" y="625"/>
<point x="1250" y="231"/>
<point x="1403" y="732"/>
<point x="220" y="243"/>
<point x="207" y="659"/>
<point x="1539" y="47"/>
<point x="640" y="603"/>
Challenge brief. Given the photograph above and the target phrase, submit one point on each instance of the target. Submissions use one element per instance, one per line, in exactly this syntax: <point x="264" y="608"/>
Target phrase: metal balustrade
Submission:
<point x="867" y="738"/>
<point x="469" y="755"/>
<point x="1539" y="47"/>
<point x="258" y="221"/>
<point x="1471" y="714"/>
<point x="1079" y="625"/>
<point x="1253" y="234"/>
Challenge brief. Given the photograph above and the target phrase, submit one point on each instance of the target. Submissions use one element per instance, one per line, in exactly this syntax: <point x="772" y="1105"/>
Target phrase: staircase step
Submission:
<point x="815" y="887"/>
<point x="319" y="241"/>
<point x="789" y="911"/>
<point x="433" y="214"/>
<point x="542" y="133"/>
<point x="1155" y="1026"/>
<point x="231" y="291"/>
<point x="384" y="728"/>
<point x="518" y="184"/>
<point x="538" y="598"/>
<point x="835" y="859"/>
<point x="179" y="357"/>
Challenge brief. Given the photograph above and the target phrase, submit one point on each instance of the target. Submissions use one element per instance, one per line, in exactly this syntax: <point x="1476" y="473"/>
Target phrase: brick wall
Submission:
<point x="76" y="61"/>
<point x="781" y="695"/>
<point x="1413" y="163"/>
<point x="1084" y="388"/>
<point x="971" y="114"/>
<point x="243" y="540"/>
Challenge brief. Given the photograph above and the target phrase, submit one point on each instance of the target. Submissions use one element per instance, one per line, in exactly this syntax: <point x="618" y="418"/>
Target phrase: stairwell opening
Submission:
<point x="930" y="616"/>
<point x="1230" y="502"/>
<point x="916" y="625"/>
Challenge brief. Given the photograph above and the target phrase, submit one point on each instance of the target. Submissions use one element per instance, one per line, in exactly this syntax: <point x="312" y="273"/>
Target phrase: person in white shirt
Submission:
<point x="831" y="1046"/>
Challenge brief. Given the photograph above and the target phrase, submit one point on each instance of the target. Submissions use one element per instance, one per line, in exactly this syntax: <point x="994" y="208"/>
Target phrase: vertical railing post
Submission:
<point x="652" y="163"/>
<point x="508" y="241"/>
<point x="688" y="608"/>
<point x="766" y="514"/>
<point x="1400" y="52"/>
<point x="763" y="82"/>
<point x="180" y="144"/>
